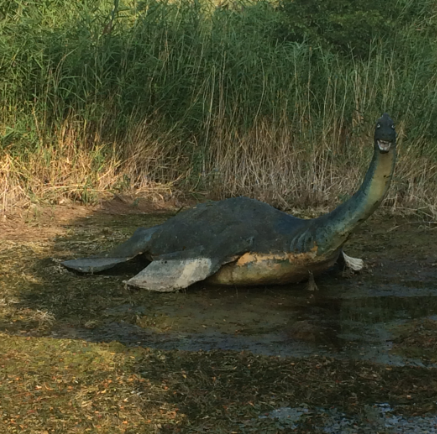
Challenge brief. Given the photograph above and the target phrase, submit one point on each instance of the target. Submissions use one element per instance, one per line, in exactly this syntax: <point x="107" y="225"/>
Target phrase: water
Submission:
<point x="355" y="323"/>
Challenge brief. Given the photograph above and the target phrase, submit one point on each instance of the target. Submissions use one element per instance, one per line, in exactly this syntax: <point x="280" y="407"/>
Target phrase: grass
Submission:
<point x="189" y="96"/>
<point x="67" y="386"/>
<point x="71" y="386"/>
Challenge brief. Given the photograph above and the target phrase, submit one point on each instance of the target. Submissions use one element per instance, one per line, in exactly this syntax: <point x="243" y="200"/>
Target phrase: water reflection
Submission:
<point x="345" y="319"/>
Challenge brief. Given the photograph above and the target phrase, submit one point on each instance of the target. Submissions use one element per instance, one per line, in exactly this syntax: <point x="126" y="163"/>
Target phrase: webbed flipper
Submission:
<point x="166" y="275"/>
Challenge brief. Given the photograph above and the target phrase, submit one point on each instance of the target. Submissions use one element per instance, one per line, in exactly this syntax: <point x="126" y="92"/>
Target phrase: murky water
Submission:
<point x="379" y="418"/>
<point x="342" y="319"/>
<point x="348" y="318"/>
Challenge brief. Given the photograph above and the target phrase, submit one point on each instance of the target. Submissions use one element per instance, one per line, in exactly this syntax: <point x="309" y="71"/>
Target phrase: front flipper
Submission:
<point x="179" y="270"/>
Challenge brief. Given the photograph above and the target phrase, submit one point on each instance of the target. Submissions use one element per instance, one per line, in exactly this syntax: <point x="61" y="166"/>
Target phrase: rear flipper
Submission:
<point x="135" y="245"/>
<point x="166" y="275"/>
<point x="93" y="264"/>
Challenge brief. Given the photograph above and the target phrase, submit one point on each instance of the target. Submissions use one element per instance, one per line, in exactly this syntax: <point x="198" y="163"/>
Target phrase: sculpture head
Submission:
<point x="385" y="134"/>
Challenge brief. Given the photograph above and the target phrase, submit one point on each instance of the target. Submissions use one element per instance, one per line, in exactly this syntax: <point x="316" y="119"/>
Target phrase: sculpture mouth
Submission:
<point x="384" y="145"/>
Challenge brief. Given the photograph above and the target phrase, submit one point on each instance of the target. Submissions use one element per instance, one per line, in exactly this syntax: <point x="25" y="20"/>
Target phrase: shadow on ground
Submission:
<point x="208" y="358"/>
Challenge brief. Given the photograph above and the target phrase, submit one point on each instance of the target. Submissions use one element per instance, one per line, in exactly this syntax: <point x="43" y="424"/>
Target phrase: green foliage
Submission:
<point x="177" y="60"/>
<point x="194" y="69"/>
<point x="351" y="27"/>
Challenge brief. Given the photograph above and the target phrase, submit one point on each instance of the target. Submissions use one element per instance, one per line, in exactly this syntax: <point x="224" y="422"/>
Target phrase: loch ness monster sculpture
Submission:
<point x="245" y="242"/>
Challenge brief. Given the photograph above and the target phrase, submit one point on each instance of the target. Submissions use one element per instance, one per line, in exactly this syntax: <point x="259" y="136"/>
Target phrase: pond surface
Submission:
<point x="342" y="319"/>
<point x="350" y="315"/>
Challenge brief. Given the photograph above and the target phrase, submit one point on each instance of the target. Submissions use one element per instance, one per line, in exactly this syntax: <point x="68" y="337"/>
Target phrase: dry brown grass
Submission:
<point x="67" y="168"/>
<point x="75" y="166"/>
<point x="274" y="163"/>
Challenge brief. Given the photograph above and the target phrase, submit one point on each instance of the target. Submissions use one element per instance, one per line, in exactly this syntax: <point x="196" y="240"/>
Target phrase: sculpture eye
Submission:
<point x="378" y="126"/>
<point x="393" y="126"/>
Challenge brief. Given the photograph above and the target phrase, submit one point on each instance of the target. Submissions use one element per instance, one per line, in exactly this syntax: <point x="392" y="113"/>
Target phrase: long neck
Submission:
<point x="333" y="229"/>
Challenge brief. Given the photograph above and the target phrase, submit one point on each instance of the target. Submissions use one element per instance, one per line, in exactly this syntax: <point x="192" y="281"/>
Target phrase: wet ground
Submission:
<point x="384" y="315"/>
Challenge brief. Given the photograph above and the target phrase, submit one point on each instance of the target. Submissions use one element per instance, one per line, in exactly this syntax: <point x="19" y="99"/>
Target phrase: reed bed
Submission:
<point x="193" y="96"/>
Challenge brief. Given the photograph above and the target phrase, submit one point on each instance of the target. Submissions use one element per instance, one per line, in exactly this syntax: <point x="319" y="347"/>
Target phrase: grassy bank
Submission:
<point x="259" y="99"/>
